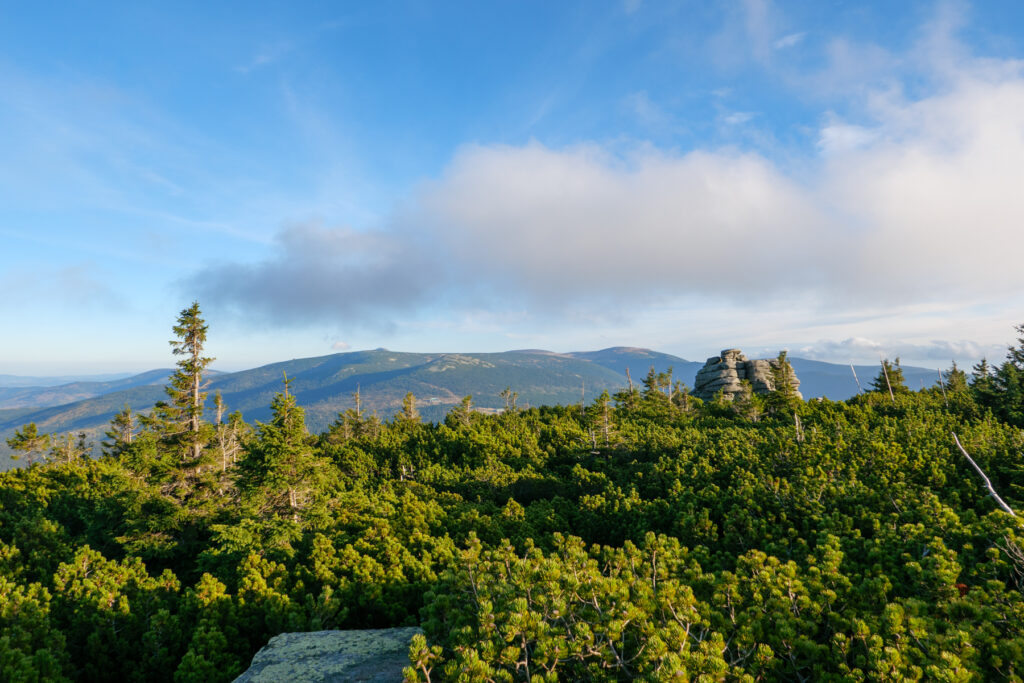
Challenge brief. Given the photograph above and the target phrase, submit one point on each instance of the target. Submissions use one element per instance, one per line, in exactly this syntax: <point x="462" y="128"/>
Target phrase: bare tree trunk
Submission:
<point x="859" y="389"/>
<point x="988" y="484"/>
<point x="886" y="375"/>
<point x="219" y="402"/>
<point x="604" y="420"/>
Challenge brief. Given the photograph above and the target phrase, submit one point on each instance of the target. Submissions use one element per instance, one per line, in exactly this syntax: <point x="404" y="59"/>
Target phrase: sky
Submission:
<point x="844" y="180"/>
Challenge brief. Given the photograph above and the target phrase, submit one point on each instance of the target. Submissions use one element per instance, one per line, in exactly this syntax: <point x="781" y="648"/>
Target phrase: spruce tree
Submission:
<point x="69" y="447"/>
<point x="628" y="398"/>
<point x="1009" y="387"/>
<point x="1015" y="354"/>
<point x="600" y="420"/>
<point x="349" y="423"/>
<point x="955" y="380"/>
<point x="121" y="433"/>
<point x="782" y="398"/>
<point x="461" y="414"/>
<point x="509" y="397"/>
<point x="279" y="472"/>
<point x="890" y="377"/>
<point x="178" y="423"/>
<point x="409" y="412"/>
<point x="29" y="441"/>
<point x="983" y="384"/>
<point x="681" y="396"/>
<point x="653" y="384"/>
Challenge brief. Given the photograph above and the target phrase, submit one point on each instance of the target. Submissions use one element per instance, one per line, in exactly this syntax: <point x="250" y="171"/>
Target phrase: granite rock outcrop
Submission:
<point x="369" y="656"/>
<point x="727" y="372"/>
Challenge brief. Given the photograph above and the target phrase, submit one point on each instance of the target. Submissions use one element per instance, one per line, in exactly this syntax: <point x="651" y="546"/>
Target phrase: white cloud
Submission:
<point x="738" y="118"/>
<point x="920" y="203"/>
<point x="863" y="350"/>
<point x="340" y="346"/>
<point x="909" y="201"/>
<point x="933" y="188"/>
<point x="837" y="137"/>
<point x="594" y="226"/>
<point x="789" y="40"/>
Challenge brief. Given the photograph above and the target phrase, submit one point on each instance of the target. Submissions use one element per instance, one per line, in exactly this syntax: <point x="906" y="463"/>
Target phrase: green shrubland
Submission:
<point x="646" y="536"/>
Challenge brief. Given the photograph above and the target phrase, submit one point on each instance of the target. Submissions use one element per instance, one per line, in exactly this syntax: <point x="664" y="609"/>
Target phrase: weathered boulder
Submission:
<point x="370" y="655"/>
<point x="727" y="372"/>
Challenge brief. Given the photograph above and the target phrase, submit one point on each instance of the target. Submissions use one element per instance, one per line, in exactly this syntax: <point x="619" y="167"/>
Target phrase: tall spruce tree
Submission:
<point x="178" y="423"/>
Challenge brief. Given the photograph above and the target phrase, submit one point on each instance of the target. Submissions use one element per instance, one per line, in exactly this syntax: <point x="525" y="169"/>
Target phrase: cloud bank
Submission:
<point x="913" y="199"/>
<point x="318" y="273"/>
<point x="864" y="349"/>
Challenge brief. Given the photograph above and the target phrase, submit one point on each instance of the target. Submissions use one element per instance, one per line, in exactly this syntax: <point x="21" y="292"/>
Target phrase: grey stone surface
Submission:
<point x="370" y="655"/>
<point x="727" y="371"/>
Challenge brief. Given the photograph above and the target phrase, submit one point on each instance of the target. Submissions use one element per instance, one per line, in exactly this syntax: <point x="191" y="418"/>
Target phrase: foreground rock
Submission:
<point x="370" y="655"/>
<point x="727" y="371"/>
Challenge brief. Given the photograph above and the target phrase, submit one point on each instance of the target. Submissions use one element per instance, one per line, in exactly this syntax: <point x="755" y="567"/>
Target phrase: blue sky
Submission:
<point x="840" y="179"/>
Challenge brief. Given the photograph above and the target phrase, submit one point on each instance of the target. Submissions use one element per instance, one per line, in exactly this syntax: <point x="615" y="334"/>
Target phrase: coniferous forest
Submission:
<point x="644" y="536"/>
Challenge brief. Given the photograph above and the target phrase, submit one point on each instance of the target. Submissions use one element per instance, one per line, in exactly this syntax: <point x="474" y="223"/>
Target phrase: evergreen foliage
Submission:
<point x="278" y="474"/>
<point x="121" y="433"/>
<point x="890" y="378"/>
<point x="29" y="441"/>
<point x="955" y="380"/>
<point x="178" y="423"/>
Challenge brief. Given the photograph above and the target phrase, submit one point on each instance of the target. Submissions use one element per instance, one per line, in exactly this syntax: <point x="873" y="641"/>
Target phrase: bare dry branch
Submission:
<point x="988" y="483"/>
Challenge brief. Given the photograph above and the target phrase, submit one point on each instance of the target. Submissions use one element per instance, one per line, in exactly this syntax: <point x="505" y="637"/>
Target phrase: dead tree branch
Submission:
<point x="988" y="484"/>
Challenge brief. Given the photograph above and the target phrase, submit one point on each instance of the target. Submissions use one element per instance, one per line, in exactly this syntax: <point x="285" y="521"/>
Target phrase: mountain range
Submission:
<point x="324" y="385"/>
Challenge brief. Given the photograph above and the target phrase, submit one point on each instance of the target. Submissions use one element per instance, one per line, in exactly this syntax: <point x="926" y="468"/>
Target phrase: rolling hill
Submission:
<point x="324" y="385"/>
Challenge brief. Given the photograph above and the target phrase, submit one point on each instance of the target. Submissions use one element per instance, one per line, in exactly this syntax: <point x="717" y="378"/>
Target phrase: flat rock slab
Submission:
<point x="369" y="655"/>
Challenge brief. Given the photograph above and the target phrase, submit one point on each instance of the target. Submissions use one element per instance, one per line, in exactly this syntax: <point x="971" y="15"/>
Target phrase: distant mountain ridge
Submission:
<point x="57" y="380"/>
<point x="46" y="395"/>
<point x="324" y="385"/>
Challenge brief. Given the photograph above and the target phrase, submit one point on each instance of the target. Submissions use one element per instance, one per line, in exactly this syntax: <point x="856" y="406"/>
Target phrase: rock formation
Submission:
<point x="727" y="371"/>
<point x="370" y="655"/>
